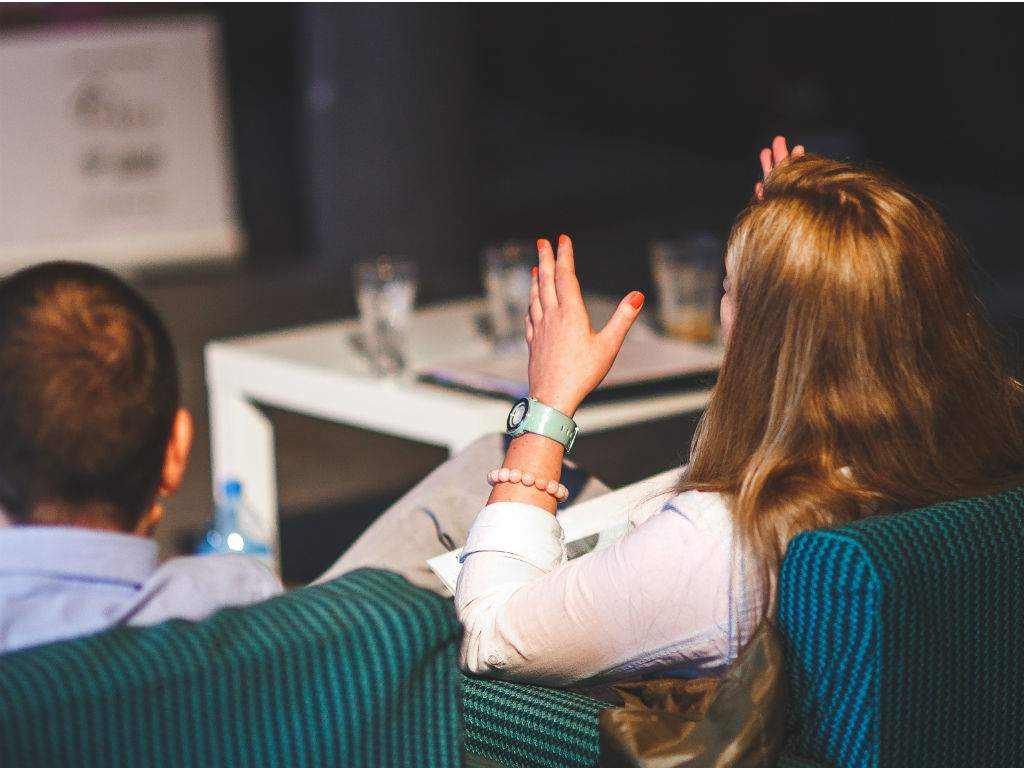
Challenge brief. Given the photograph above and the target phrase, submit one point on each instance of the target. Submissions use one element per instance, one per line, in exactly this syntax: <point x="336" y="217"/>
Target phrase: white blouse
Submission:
<point x="668" y="597"/>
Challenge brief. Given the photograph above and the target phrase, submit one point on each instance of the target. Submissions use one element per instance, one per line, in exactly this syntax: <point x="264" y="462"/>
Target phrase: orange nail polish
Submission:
<point x="562" y="239"/>
<point x="636" y="299"/>
<point x="540" y="244"/>
<point x="535" y="271"/>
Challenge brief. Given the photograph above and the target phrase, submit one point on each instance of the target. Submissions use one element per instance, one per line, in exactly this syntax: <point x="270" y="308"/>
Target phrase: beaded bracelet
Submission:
<point x="506" y="475"/>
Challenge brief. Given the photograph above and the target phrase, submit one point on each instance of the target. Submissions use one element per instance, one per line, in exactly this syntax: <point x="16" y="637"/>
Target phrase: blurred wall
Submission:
<point x="431" y="128"/>
<point x="387" y="137"/>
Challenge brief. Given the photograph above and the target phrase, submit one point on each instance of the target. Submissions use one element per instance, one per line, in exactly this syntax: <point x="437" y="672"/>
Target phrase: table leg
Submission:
<point x="242" y="448"/>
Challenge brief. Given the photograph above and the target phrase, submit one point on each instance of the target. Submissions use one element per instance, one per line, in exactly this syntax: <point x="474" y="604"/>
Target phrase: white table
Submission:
<point x="315" y="370"/>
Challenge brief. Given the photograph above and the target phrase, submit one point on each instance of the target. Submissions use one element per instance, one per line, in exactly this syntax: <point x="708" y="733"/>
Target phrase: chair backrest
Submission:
<point x="360" y="671"/>
<point x="905" y="637"/>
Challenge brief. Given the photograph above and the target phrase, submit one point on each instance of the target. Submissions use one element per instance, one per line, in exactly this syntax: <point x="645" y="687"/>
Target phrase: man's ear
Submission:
<point x="176" y="457"/>
<point x="147" y="523"/>
<point x="175" y="460"/>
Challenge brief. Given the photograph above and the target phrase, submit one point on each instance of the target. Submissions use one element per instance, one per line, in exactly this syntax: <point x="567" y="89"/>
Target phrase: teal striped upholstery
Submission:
<point x="905" y="647"/>
<point x="904" y="644"/>
<point x="905" y="637"/>
<point x="789" y="760"/>
<point x="357" y="672"/>
<point x="529" y="726"/>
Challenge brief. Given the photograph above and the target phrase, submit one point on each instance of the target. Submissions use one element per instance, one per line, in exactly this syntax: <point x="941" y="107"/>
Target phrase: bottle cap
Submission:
<point x="232" y="489"/>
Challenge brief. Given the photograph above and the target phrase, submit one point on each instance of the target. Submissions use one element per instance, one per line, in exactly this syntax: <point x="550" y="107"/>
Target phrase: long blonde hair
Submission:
<point x="861" y="374"/>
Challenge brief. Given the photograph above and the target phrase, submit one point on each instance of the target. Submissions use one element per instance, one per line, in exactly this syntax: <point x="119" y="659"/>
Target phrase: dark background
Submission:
<point x="454" y="125"/>
<point x="432" y="129"/>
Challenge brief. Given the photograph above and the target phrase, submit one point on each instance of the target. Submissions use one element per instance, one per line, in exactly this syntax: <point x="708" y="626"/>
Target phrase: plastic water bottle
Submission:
<point x="230" y="530"/>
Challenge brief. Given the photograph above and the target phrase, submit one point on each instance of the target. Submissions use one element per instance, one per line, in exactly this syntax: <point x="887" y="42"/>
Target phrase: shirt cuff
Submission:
<point x="523" y="531"/>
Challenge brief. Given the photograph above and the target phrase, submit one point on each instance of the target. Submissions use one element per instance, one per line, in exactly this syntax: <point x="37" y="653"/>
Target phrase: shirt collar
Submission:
<point x="68" y="551"/>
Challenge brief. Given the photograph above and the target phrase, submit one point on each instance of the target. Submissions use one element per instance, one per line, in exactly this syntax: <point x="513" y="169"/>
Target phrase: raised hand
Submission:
<point x="568" y="358"/>
<point x="773" y="157"/>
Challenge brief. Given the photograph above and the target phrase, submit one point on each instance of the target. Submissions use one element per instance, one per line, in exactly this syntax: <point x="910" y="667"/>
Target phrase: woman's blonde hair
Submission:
<point x="861" y="374"/>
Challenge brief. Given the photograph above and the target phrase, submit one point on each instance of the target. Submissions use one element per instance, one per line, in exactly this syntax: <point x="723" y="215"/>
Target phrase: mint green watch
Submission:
<point x="531" y="415"/>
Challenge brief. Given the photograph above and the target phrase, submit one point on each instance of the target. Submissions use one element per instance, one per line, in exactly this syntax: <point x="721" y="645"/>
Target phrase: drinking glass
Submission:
<point x="385" y="294"/>
<point x="508" y="271"/>
<point x="687" y="276"/>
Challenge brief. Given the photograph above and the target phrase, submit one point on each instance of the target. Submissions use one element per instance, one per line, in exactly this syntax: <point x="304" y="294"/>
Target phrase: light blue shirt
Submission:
<point x="59" y="582"/>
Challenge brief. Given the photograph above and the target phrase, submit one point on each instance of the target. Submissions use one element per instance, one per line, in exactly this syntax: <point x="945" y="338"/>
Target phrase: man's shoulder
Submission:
<point x="195" y="586"/>
<point x="220" y="566"/>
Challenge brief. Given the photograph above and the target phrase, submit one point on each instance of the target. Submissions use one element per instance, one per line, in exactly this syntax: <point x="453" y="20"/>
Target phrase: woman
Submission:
<point x="859" y="377"/>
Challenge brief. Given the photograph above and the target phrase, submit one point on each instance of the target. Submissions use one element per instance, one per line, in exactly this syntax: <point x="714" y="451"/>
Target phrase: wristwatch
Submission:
<point x="530" y="415"/>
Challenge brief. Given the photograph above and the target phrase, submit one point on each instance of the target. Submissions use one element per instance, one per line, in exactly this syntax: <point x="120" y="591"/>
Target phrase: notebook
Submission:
<point x="647" y="364"/>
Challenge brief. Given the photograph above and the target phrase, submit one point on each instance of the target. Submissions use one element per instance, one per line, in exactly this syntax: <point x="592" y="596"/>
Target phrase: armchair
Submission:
<point x="904" y="639"/>
<point x="904" y="636"/>
<point x="360" y="671"/>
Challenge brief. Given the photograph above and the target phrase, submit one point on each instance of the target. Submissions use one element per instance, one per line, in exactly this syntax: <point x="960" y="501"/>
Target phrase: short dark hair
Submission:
<point x="88" y="393"/>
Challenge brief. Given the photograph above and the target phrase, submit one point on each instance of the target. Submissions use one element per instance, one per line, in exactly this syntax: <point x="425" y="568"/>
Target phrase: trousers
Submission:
<point x="435" y="515"/>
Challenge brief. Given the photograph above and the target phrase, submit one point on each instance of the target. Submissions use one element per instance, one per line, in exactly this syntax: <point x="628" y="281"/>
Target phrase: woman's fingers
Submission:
<point x="567" y="287"/>
<point x="567" y="358"/>
<point x="546" y="274"/>
<point x="614" y="332"/>
<point x="774" y="156"/>
<point x="556" y="277"/>
<point x="779" y="151"/>
<point x="535" y="307"/>
<point x="534" y="313"/>
<point x="565" y="256"/>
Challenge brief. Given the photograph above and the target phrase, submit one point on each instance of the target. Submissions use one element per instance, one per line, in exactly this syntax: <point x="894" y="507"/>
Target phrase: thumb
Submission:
<point x="620" y="322"/>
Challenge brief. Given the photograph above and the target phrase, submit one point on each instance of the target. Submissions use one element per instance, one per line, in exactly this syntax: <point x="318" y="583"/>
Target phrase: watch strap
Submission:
<point x="544" y="420"/>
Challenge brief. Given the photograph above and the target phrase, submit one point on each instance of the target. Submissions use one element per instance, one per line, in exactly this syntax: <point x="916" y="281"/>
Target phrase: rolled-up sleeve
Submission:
<point x="519" y="531"/>
<point x="658" y="598"/>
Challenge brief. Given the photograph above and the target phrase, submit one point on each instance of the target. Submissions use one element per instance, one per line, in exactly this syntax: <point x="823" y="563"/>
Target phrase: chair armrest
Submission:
<point x="530" y="726"/>
<point x="795" y="761"/>
<point x="360" y="671"/>
<point x="902" y="635"/>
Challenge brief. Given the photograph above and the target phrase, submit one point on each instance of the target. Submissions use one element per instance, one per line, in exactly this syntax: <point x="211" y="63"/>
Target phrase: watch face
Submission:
<point x="517" y="414"/>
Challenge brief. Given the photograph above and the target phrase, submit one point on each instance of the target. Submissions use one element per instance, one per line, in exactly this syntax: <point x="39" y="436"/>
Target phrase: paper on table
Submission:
<point x="645" y="357"/>
<point x="590" y="525"/>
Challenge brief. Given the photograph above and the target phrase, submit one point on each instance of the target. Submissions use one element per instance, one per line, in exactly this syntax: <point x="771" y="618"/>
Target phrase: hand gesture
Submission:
<point x="567" y="357"/>
<point x="773" y="158"/>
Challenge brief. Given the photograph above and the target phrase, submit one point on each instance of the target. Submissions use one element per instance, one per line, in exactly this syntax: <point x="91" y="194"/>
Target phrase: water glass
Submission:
<point x="508" y="271"/>
<point x="385" y="294"/>
<point x="687" y="276"/>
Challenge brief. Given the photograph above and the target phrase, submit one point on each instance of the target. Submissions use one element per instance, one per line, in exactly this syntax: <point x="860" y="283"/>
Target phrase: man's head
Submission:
<point x="89" y="400"/>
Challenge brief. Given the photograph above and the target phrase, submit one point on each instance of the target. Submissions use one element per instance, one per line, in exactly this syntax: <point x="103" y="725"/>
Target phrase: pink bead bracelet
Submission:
<point x="506" y="475"/>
